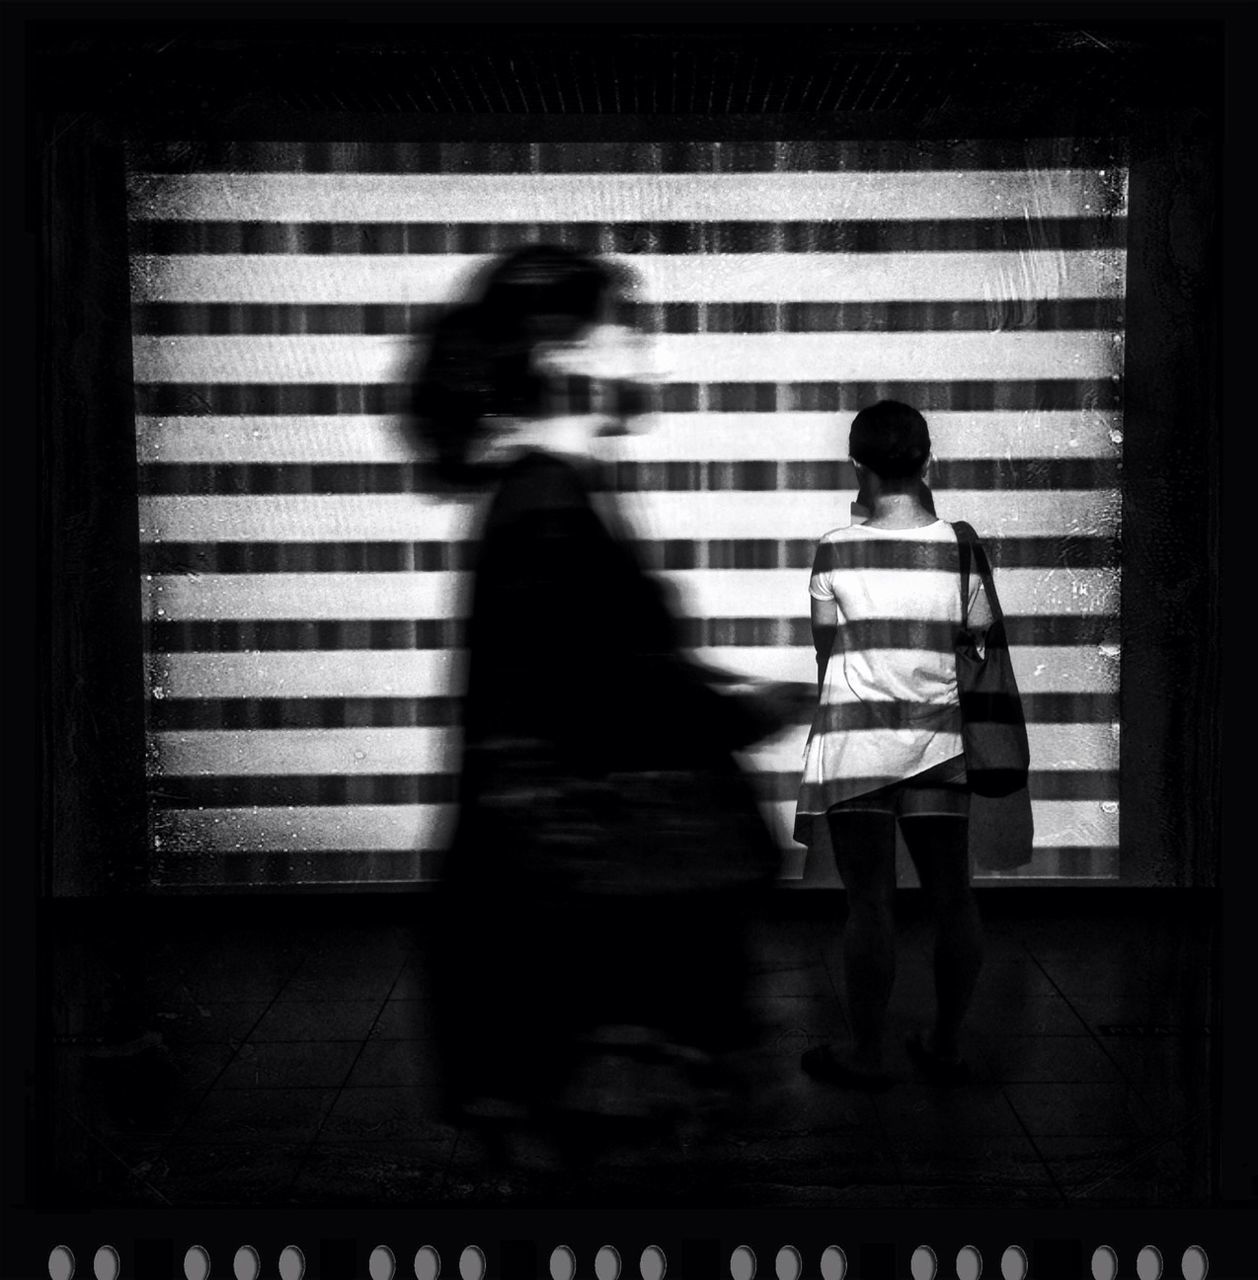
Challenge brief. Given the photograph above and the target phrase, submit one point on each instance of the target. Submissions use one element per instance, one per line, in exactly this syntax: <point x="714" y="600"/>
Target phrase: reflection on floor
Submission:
<point x="266" y="1063"/>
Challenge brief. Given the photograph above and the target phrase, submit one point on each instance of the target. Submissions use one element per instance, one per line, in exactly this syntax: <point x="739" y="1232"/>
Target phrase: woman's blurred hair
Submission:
<point x="891" y="439"/>
<point x="479" y="360"/>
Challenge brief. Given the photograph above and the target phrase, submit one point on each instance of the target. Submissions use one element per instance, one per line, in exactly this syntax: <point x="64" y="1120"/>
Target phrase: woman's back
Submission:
<point x="898" y="598"/>
<point x="888" y="708"/>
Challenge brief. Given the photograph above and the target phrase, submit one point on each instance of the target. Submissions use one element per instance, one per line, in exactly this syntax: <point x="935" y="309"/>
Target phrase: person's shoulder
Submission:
<point x="844" y="533"/>
<point x="539" y="481"/>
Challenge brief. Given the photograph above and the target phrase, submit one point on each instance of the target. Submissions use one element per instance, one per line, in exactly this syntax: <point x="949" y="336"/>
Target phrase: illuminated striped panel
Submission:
<point x="305" y="593"/>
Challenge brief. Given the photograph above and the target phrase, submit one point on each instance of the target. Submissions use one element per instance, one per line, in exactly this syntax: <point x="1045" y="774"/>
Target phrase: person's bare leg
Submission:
<point x="938" y="846"/>
<point x="864" y="850"/>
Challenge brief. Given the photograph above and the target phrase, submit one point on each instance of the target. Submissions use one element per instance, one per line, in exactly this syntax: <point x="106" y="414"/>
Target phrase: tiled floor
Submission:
<point x="294" y="1065"/>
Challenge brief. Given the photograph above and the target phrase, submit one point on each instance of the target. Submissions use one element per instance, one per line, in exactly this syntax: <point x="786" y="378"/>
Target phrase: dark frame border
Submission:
<point x="1066" y="1237"/>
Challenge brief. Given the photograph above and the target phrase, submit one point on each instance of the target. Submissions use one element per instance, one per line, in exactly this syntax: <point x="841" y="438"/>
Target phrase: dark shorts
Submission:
<point x="940" y="791"/>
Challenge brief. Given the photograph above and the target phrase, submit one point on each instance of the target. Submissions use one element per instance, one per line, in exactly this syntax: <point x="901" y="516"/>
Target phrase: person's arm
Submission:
<point x="825" y="626"/>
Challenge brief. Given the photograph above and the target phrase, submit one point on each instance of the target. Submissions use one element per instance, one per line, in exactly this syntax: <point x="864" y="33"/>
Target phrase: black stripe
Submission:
<point x="189" y="318"/>
<point x="210" y="868"/>
<point x="629" y="477"/>
<point x="244" y="791"/>
<point x="621" y="157"/>
<point x="1072" y="551"/>
<point x="344" y="868"/>
<point x="307" y="557"/>
<point x="905" y="633"/>
<point x="316" y="399"/>
<point x="936" y="235"/>
<point x="1049" y="784"/>
<point x="172" y="714"/>
<point x="450" y="633"/>
<point x="875" y="552"/>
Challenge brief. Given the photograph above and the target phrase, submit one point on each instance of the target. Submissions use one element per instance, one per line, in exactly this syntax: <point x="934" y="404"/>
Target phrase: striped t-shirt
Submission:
<point x="888" y="707"/>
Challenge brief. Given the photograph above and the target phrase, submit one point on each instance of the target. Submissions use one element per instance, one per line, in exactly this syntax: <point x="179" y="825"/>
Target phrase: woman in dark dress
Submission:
<point x="608" y="846"/>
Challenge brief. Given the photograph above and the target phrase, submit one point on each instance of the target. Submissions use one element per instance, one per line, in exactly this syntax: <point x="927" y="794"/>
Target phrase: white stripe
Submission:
<point x="355" y="673"/>
<point x="700" y="593"/>
<point x="434" y="673"/>
<point x="399" y="517"/>
<point x="253" y="752"/>
<point x="1054" y="747"/>
<point x="1057" y="822"/>
<point x="205" y="752"/>
<point x="620" y="197"/>
<point x="1039" y="668"/>
<point x="319" y="828"/>
<point x="665" y="437"/>
<point x="366" y="827"/>
<point x="1005" y="279"/>
<point x="940" y="355"/>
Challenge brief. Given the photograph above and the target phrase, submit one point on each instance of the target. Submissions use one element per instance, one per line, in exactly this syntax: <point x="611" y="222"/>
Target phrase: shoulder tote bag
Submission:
<point x="993" y="725"/>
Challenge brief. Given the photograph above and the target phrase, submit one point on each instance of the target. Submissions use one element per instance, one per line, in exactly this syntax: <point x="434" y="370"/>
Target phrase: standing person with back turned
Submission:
<point x="886" y="744"/>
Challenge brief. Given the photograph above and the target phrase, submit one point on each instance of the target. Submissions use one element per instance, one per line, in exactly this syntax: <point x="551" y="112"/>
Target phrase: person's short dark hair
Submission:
<point x="891" y="439"/>
<point x="479" y="359"/>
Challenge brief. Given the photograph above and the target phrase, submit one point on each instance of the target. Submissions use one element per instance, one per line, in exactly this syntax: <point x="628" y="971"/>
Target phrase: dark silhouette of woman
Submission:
<point x="608" y="847"/>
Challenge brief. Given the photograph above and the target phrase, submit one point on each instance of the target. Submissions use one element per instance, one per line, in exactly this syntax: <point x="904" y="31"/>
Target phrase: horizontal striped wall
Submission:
<point x="304" y="583"/>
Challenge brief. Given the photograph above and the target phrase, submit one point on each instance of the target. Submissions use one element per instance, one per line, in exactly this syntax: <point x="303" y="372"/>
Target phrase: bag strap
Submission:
<point x="964" y="534"/>
<point x="969" y="544"/>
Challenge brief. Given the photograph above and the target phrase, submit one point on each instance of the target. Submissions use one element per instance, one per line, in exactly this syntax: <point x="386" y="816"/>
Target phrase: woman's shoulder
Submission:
<point x="844" y="533"/>
<point x="539" y="481"/>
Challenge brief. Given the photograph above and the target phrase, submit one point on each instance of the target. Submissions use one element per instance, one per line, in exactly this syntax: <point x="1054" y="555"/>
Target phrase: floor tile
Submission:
<point x="349" y="983"/>
<point x="1034" y="1016"/>
<point x="376" y="1174"/>
<point x="186" y="1020"/>
<point x="240" y="975"/>
<point x="316" y="1020"/>
<point x="403" y="1020"/>
<point x="291" y="1065"/>
<point x="228" y="1174"/>
<point x="382" y="1116"/>
<point x="411" y="982"/>
<point x="1103" y="1170"/>
<point x="396" y="1063"/>
<point x="1128" y="1014"/>
<point x="282" y="1116"/>
<point x="1090" y="1108"/>
<point x="1171" y="1074"/>
<point x="975" y="1184"/>
<point x="925" y="1122"/>
<point x="1047" y="1059"/>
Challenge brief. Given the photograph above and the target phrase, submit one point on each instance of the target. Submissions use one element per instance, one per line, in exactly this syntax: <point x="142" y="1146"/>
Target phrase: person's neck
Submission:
<point x="898" y="511"/>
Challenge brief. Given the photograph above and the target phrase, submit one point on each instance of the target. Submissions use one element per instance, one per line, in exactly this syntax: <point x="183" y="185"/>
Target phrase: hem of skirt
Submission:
<point x="805" y="818"/>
